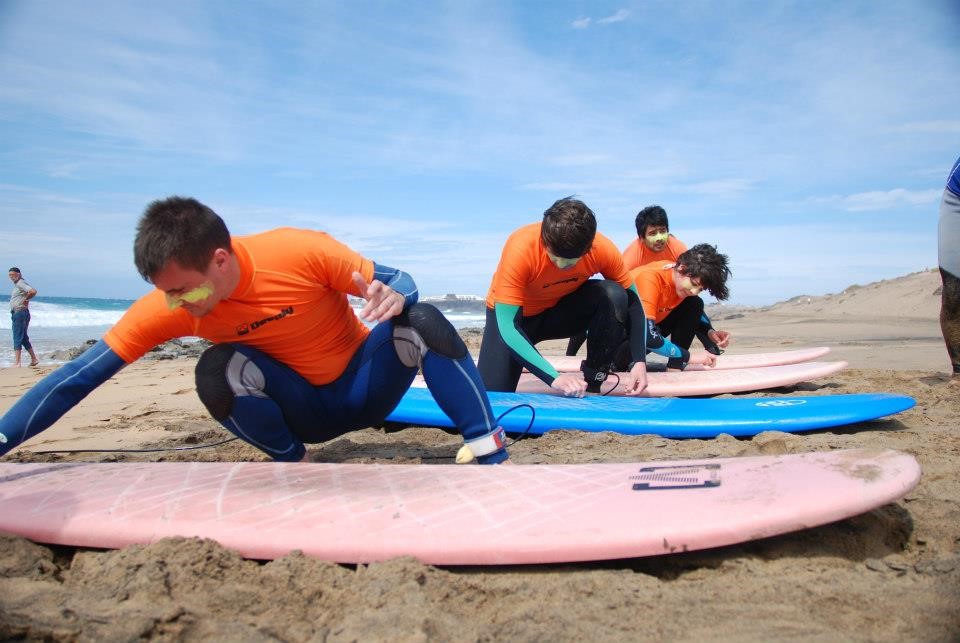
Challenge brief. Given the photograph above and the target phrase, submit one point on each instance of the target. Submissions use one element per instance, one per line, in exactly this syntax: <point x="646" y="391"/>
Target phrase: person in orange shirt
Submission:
<point x="669" y="293"/>
<point x="291" y="362"/>
<point x="654" y="241"/>
<point x="542" y="290"/>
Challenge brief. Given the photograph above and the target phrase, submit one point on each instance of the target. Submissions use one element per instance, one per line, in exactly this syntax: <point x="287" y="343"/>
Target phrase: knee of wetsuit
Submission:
<point x="222" y="373"/>
<point x="421" y="328"/>
<point x="622" y="358"/>
<point x="617" y="296"/>
<point x="696" y="303"/>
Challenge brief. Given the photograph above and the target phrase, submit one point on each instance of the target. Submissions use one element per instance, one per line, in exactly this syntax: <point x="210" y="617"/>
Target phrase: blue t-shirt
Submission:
<point x="953" y="182"/>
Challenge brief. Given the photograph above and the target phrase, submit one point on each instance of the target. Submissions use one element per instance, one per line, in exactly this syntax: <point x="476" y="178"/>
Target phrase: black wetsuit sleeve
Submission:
<point x="638" y="325"/>
<point x="704" y="325"/>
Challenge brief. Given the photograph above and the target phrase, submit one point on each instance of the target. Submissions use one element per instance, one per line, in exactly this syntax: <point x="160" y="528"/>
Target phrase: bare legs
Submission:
<point x="950" y="318"/>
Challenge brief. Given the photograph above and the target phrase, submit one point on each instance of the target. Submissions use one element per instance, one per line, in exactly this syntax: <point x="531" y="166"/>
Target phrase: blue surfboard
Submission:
<point x="667" y="417"/>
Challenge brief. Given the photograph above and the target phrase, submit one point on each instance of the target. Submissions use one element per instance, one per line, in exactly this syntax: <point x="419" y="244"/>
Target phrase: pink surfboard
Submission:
<point x="726" y="361"/>
<point x="703" y="382"/>
<point x="685" y="384"/>
<point x="449" y="514"/>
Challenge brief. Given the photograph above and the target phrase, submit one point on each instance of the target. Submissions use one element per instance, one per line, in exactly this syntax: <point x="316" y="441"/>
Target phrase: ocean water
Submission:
<point x="59" y="323"/>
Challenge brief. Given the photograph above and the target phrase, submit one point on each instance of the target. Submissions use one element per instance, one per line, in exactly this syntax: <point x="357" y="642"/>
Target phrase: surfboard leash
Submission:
<point x="523" y="434"/>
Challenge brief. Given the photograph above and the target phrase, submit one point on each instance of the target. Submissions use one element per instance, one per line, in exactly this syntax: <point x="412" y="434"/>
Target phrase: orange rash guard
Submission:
<point x="290" y="303"/>
<point x="638" y="254"/>
<point x="657" y="290"/>
<point x="526" y="277"/>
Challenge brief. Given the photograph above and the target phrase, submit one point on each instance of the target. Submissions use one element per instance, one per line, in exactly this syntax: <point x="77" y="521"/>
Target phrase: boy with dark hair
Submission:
<point x="291" y="363"/>
<point x="654" y="241"/>
<point x="542" y="290"/>
<point x="669" y="292"/>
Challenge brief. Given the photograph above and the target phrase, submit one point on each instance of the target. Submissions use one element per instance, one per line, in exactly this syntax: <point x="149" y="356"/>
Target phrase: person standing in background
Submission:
<point x="20" y="316"/>
<point x="948" y="235"/>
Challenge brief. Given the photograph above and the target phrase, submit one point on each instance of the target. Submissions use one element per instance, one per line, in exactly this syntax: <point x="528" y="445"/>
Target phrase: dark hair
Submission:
<point x="179" y="229"/>
<point x="568" y="228"/>
<point x="14" y="269"/>
<point x="651" y="215"/>
<point x="703" y="262"/>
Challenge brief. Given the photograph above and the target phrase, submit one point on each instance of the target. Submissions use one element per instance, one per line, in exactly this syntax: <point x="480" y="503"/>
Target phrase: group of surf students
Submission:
<point x="291" y="364"/>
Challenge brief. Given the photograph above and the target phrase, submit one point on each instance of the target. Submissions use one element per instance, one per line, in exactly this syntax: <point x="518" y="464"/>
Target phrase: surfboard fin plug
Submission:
<point x="484" y="445"/>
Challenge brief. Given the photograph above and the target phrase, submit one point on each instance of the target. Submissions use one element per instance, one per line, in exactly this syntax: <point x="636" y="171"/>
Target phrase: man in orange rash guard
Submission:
<point x="654" y="241"/>
<point x="291" y="363"/>
<point x="542" y="290"/>
<point x="669" y="292"/>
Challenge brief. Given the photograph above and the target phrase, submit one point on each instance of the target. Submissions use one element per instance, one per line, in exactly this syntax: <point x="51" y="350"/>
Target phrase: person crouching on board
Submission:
<point x="292" y="363"/>
<point x="669" y="293"/>
<point x="654" y="243"/>
<point x="542" y="290"/>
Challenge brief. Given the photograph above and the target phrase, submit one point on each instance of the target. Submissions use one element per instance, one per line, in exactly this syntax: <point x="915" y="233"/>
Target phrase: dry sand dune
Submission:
<point x="892" y="574"/>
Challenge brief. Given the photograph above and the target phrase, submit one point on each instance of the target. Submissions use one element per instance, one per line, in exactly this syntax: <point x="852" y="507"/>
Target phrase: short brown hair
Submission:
<point x="568" y="228"/>
<point x="179" y="229"/>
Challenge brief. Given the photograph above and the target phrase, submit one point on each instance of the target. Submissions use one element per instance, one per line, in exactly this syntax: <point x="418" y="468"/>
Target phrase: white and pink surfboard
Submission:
<point x="449" y="514"/>
<point x="726" y="361"/>
<point x="697" y="382"/>
<point x="704" y="382"/>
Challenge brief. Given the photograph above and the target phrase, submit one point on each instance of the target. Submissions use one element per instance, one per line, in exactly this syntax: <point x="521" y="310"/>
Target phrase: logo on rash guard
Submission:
<point x="243" y="329"/>
<point x="562" y="281"/>
<point x="3" y="439"/>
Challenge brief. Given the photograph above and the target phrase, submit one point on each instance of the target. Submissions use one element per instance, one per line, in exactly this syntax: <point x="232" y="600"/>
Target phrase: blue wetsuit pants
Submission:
<point x="275" y="409"/>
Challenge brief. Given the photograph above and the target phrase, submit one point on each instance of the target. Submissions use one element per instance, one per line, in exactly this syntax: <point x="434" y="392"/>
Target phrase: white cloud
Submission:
<point x="881" y="200"/>
<point x="930" y="127"/>
<point x="619" y="16"/>
<point x="584" y="23"/>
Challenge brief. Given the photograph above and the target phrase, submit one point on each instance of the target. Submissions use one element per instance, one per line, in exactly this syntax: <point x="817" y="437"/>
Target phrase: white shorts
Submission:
<point x="949" y="233"/>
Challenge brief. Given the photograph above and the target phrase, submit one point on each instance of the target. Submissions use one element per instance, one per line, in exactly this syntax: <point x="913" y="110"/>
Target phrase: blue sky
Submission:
<point x="810" y="141"/>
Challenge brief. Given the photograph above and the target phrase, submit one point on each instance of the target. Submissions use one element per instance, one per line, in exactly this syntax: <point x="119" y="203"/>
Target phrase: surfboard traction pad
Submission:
<point x="684" y="477"/>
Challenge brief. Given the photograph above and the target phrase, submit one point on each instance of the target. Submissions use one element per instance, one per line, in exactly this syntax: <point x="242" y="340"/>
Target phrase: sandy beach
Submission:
<point x="890" y="575"/>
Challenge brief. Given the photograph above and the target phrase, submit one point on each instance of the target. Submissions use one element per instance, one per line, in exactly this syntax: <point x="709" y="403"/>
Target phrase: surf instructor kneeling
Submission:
<point x="292" y="363"/>
<point x="542" y="290"/>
